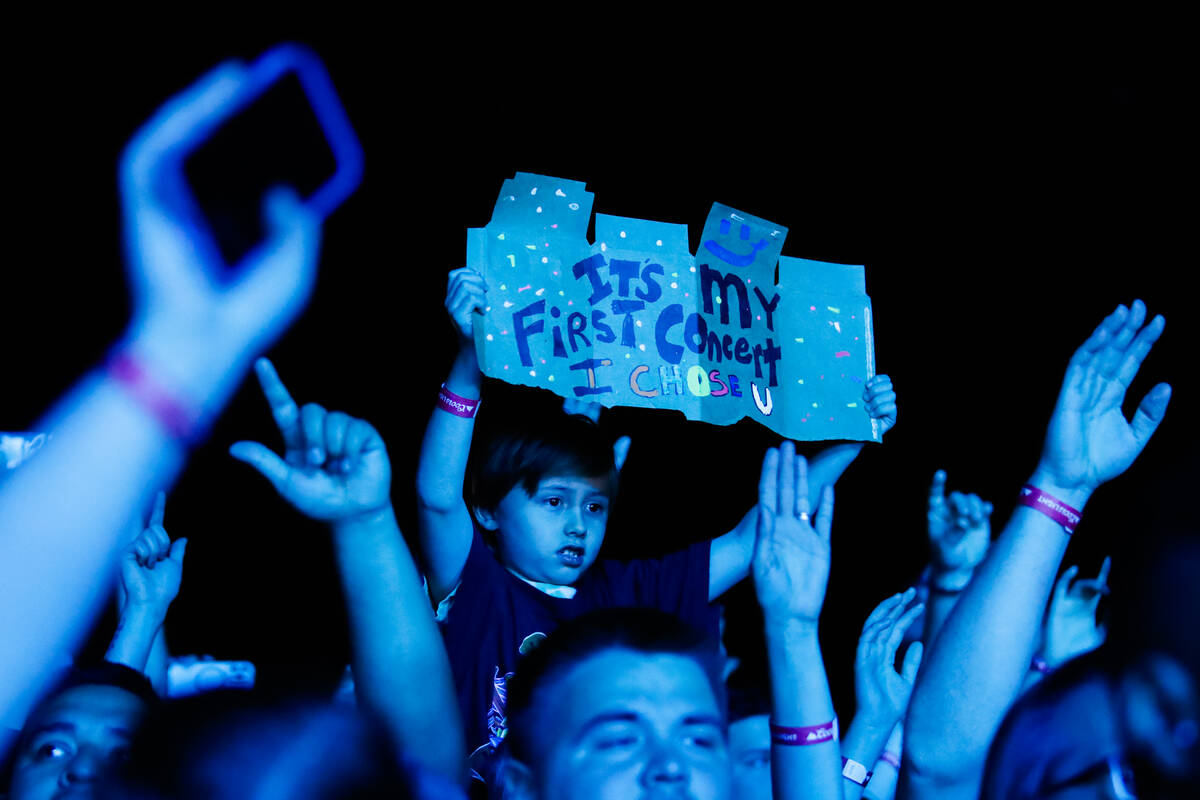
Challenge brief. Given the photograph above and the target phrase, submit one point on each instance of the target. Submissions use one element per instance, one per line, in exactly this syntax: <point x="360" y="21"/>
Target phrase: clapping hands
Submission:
<point x="334" y="467"/>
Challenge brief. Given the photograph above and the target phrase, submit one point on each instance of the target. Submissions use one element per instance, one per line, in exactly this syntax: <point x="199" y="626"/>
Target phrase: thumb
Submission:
<point x="178" y="548"/>
<point x="620" y="451"/>
<point x="912" y="661"/>
<point x="1064" y="583"/>
<point x="263" y="459"/>
<point x="1150" y="412"/>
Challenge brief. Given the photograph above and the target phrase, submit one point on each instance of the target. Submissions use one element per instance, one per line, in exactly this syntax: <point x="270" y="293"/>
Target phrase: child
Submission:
<point x="523" y="557"/>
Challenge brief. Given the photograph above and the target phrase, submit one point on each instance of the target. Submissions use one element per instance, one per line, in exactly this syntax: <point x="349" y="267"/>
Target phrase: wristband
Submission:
<point x="854" y="771"/>
<point x="1053" y="508"/>
<point x="810" y="734"/>
<point x="891" y="758"/>
<point x="455" y="404"/>
<point x="179" y="421"/>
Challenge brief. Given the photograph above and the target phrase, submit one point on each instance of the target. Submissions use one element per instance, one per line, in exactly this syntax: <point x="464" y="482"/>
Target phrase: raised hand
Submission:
<point x="334" y="466"/>
<point x="1089" y="441"/>
<point x="959" y="528"/>
<point x="880" y="401"/>
<point x="791" y="550"/>
<point x="883" y="692"/>
<point x="1071" y="626"/>
<point x="466" y="293"/>
<point x="152" y="566"/>
<point x="192" y="326"/>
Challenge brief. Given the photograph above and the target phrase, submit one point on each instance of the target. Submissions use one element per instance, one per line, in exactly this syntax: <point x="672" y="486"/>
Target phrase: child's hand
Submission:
<point x="959" y="528"/>
<point x="881" y="691"/>
<point x="466" y="293"/>
<point x="1071" y="627"/>
<point x="152" y="567"/>
<point x="881" y="402"/>
<point x="1089" y="441"/>
<point x="791" y="553"/>
<point x="334" y="466"/>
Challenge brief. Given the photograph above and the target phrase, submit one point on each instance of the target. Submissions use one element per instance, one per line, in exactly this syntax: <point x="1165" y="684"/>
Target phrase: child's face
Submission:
<point x="553" y="535"/>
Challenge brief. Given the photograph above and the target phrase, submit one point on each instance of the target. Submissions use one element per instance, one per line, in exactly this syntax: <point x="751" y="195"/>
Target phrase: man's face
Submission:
<point x="750" y="755"/>
<point x="72" y="740"/>
<point x="623" y="725"/>
<point x="553" y="535"/>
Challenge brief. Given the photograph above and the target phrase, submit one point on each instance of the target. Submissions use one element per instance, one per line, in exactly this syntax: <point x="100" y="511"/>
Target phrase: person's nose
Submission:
<point x="575" y="524"/>
<point x="83" y="767"/>
<point x="665" y="768"/>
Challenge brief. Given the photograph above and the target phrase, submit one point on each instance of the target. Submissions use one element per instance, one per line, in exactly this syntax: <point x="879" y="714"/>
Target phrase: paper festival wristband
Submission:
<point x="181" y="422"/>
<point x="455" y="404"/>
<point x="810" y="734"/>
<point x="1049" y="505"/>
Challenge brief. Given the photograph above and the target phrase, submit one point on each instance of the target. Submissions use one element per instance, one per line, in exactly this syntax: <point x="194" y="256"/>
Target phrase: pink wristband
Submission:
<point x="891" y="758"/>
<point x="1047" y="504"/>
<point x="180" y="422"/>
<point x="451" y="403"/>
<point x="811" y="734"/>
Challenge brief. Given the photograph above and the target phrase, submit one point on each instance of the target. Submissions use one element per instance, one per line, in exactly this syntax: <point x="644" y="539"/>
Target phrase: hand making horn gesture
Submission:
<point x="334" y="466"/>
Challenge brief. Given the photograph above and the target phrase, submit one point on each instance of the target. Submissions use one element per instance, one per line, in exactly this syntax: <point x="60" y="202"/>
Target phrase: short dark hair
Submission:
<point x="557" y="444"/>
<point x="642" y="630"/>
<point x="102" y="673"/>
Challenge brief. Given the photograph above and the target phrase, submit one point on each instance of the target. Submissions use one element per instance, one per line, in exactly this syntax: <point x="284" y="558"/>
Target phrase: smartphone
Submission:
<point x="286" y="126"/>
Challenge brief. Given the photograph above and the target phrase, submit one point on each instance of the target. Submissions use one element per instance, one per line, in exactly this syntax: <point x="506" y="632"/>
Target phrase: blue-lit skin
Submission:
<point x="621" y="725"/>
<point x="73" y="740"/>
<point x="110" y="449"/>
<point x="750" y="756"/>
<point x="553" y="535"/>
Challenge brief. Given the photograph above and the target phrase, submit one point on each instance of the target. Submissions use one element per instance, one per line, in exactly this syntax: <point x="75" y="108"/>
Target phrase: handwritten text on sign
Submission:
<point x="637" y="320"/>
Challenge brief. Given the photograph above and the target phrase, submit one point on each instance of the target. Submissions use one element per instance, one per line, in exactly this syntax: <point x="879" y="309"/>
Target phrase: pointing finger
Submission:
<point x="283" y="407"/>
<point x="160" y="509"/>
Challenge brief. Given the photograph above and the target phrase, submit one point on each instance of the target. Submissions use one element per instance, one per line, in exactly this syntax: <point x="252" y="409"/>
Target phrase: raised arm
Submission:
<point x="730" y="555"/>
<point x="791" y="569"/>
<point x="120" y="434"/>
<point x="960" y="532"/>
<point x="975" y="669"/>
<point x="151" y="571"/>
<point x="335" y="468"/>
<point x="880" y="691"/>
<point x="443" y="520"/>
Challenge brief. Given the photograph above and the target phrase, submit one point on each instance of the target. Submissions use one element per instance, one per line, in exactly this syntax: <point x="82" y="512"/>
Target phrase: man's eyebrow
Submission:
<point x="704" y="719"/>
<point x="52" y="727"/>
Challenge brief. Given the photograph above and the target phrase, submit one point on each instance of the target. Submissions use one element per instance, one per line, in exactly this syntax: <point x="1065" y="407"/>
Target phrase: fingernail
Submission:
<point x="316" y="457"/>
<point x="345" y="466"/>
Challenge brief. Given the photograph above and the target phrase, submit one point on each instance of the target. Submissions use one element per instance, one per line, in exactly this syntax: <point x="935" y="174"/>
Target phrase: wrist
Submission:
<point x="1073" y="494"/>
<point x="369" y="519"/>
<point x="146" y="614"/>
<point x="193" y="370"/>
<point x="791" y="629"/>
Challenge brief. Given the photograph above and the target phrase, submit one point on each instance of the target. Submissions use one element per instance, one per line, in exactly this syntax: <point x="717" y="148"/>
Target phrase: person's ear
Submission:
<point x="516" y="780"/>
<point x="486" y="517"/>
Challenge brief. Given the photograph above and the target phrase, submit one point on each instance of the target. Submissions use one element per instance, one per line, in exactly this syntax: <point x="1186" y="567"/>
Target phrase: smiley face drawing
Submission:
<point x="727" y="255"/>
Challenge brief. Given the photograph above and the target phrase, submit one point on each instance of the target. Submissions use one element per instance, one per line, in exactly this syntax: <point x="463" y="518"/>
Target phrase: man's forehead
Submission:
<point x="107" y="704"/>
<point x="662" y="685"/>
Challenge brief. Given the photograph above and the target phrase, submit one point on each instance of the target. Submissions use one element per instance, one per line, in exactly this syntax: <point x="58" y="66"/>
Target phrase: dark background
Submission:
<point x="1001" y="210"/>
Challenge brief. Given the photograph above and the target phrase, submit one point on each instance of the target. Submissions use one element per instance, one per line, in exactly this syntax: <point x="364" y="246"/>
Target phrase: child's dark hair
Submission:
<point x="642" y="630"/>
<point x="558" y="444"/>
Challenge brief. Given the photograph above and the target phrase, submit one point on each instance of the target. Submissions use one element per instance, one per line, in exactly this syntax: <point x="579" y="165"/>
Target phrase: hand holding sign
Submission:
<point x="334" y="467"/>
<point x="466" y="294"/>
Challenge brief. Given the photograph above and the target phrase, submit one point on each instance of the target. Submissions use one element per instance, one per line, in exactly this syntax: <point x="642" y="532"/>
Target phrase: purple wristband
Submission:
<point x="455" y="404"/>
<point x="1052" y="507"/>
<point x="889" y="757"/>
<point x="810" y="734"/>
<point x="178" y="420"/>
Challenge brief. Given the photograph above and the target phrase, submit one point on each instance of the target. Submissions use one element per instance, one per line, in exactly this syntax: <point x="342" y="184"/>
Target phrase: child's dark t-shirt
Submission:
<point x="493" y="613"/>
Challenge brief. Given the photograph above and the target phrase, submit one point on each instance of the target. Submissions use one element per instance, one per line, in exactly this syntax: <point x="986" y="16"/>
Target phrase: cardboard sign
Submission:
<point x="636" y="320"/>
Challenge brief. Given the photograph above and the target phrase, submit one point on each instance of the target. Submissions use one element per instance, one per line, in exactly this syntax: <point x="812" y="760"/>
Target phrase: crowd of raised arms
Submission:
<point x="547" y="670"/>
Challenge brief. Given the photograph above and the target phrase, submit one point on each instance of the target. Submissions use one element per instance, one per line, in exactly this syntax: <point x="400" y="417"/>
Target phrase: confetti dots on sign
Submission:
<point x="509" y="303"/>
<point x="812" y="308"/>
<point x="851" y="405"/>
<point x="800" y="339"/>
<point x="841" y="354"/>
<point x="500" y="237"/>
<point x="538" y="209"/>
<point x="533" y="191"/>
<point x="800" y="381"/>
<point x="545" y="259"/>
<point x="540" y="292"/>
<point x="573" y="206"/>
<point x="815" y="405"/>
<point x="642" y="347"/>
<point x="525" y="288"/>
<point x="622" y="234"/>
<point x="834" y="310"/>
<point x="560" y="193"/>
<point x="603" y="247"/>
<point x="512" y="261"/>
<point x="533" y="373"/>
<point x="550" y="378"/>
<point x="658" y="243"/>
<point x="503" y="288"/>
<point x="490" y="338"/>
<point x="675" y="285"/>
